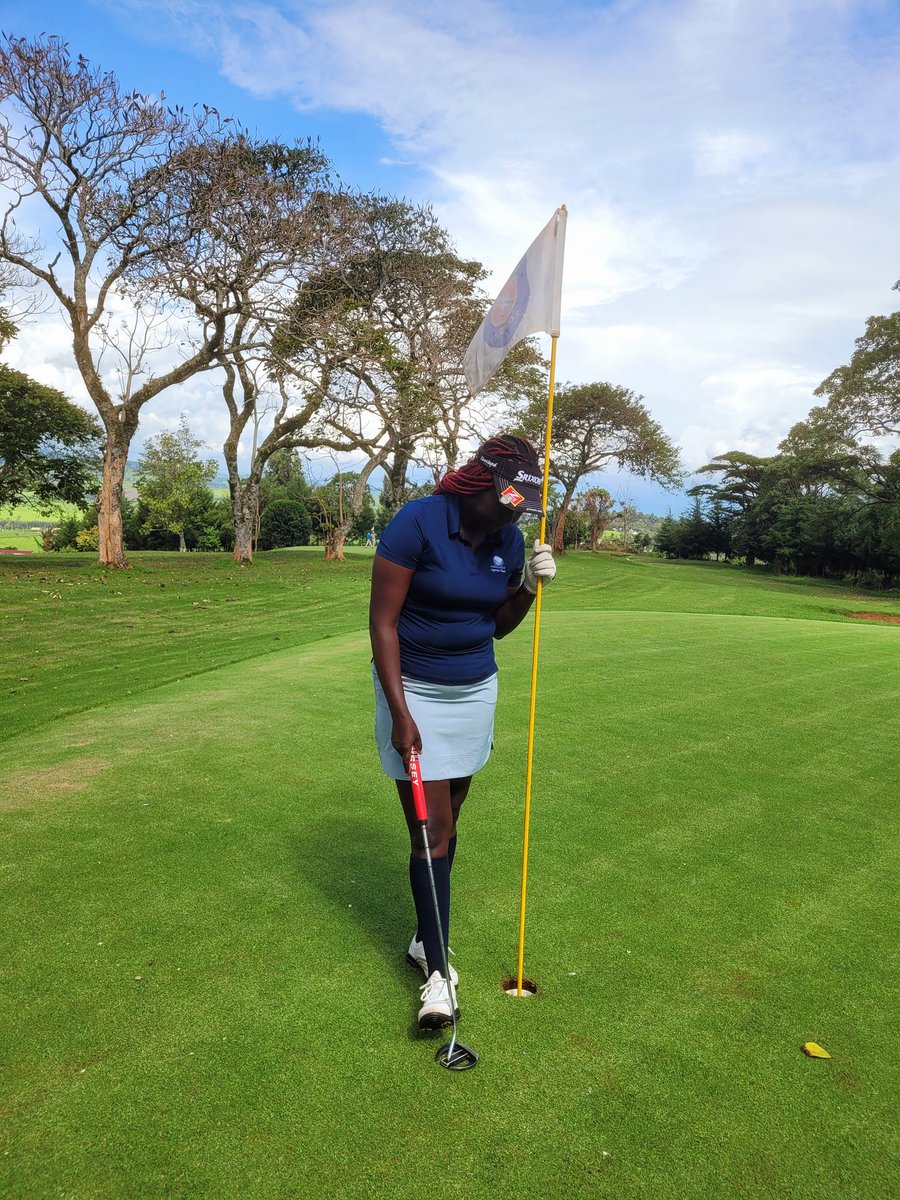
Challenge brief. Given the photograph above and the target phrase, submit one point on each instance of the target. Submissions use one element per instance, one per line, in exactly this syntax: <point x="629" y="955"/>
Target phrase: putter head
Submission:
<point x="456" y="1057"/>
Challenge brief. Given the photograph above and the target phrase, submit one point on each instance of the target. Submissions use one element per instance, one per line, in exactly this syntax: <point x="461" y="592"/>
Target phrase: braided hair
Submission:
<point x="472" y="477"/>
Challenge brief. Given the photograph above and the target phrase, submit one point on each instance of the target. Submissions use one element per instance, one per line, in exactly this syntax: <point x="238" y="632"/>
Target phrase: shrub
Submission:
<point x="88" y="539"/>
<point x="209" y="539"/>
<point x="65" y="534"/>
<point x="284" y="523"/>
<point x="870" y="579"/>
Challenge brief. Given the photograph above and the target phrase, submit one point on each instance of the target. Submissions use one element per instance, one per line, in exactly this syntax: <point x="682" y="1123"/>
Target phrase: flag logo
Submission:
<point x="509" y="308"/>
<point x="511" y="496"/>
<point x="529" y="303"/>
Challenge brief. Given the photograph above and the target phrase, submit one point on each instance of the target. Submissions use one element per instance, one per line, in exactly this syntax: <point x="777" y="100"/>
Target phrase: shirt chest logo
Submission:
<point x="497" y="564"/>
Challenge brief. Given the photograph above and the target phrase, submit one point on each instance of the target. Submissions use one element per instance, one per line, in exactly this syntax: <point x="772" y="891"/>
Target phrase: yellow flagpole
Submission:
<point x="534" y="668"/>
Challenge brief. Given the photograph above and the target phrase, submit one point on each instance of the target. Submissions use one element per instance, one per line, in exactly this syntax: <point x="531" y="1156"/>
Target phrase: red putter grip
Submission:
<point x="418" y="787"/>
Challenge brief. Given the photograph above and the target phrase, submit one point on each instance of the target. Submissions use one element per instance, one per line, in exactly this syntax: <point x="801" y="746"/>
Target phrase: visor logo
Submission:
<point x="511" y="496"/>
<point x="524" y="477"/>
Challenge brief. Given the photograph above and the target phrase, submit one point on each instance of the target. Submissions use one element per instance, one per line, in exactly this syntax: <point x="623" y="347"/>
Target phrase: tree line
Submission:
<point x="178" y="245"/>
<point x="176" y="509"/>
<point x="828" y="503"/>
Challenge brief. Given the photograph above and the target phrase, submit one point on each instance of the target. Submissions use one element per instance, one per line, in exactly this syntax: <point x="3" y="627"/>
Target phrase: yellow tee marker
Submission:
<point x="814" y="1050"/>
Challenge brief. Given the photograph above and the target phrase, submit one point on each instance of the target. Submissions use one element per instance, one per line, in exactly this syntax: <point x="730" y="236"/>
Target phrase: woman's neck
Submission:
<point x="473" y="537"/>
<point x="469" y="526"/>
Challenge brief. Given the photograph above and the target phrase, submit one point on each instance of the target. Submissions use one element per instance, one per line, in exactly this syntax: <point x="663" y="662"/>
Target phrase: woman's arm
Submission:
<point x="512" y="611"/>
<point x="539" y="568"/>
<point x="390" y="584"/>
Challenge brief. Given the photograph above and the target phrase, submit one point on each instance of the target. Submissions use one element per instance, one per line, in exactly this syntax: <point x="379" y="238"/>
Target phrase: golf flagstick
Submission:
<point x="455" y="1056"/>
<point x="534" y="670"/>
<point x="530" y="302"/>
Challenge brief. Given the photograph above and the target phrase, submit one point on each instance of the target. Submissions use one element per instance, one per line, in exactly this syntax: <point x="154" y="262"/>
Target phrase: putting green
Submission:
<point x="204" y="990"/>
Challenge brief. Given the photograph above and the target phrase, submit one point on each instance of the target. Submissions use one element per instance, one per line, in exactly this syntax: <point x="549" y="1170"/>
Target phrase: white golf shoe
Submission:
<point x="436" y="1010"/>
<point x="415" y="956"/>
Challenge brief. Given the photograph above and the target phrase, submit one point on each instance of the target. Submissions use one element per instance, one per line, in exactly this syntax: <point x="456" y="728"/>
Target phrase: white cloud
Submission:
<point x="728" y="153"/>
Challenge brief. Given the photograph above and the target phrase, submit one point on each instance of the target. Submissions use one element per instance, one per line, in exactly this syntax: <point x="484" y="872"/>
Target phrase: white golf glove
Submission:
<point x="539" y="567"/>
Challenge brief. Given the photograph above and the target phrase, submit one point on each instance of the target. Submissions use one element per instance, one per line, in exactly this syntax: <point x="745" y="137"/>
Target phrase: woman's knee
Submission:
<point x="440" y="817"/>
<point x="459" y="789"/>
<point x="440" y="830"/>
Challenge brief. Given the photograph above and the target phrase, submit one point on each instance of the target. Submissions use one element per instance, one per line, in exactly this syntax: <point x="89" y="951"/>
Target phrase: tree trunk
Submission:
<point x="109" y="508"/>
<point x="182" y="544"/>
<point x="334" y="542"/>
<point x="560" y="525"/>
<point x="244" y="505"/>
<point x="396" y="475"/>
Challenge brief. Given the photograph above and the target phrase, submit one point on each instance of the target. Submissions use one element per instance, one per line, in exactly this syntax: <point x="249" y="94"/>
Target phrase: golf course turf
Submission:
<point x="206" y="909"/>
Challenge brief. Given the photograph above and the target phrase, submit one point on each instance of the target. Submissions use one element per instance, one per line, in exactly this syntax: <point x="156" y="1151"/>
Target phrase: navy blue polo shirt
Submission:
<point x="446" y="626"/>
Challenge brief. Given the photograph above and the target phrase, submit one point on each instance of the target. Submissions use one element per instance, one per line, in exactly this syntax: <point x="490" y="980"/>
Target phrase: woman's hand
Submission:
<point x="405" y="738"/>
<point x="540" y="566"/>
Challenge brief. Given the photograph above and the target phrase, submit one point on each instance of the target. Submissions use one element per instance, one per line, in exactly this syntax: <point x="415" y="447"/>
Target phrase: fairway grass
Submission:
<point x="21" y="539"/>
<point x="204" y="876"/>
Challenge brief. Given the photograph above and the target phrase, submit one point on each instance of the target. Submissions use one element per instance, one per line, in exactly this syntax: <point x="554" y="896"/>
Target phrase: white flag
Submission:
<point x="529" y="303"/>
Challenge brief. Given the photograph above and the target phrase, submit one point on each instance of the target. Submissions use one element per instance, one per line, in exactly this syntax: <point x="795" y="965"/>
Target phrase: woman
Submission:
<point x="446" y="580"/>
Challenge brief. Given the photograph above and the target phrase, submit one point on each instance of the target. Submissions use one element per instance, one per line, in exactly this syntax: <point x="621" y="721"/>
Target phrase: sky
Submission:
<point x="731" y="170"/>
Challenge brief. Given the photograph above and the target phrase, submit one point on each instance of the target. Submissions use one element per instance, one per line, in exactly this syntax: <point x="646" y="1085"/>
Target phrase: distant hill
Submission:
<point x="219" y="485"/>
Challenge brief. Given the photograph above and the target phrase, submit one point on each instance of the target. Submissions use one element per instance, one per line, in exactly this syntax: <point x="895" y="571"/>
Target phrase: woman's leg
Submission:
<point x="459" y="789"/>
<point x="440" y="827"/>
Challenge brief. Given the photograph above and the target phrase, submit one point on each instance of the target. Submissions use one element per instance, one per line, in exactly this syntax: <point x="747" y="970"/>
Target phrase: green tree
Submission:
<point x="718" y="528"/>
<point x="285" y="477"/>
<point x="595" y="424"/>
<point x="49" y="447"/>
<point x="216" y="530"/>
<point x="667" y="541"/>
<point x="744" y="479"/>
<point x="694" y="533"/>
<point x="172" y="482"/>
<point x="864" y="395"/>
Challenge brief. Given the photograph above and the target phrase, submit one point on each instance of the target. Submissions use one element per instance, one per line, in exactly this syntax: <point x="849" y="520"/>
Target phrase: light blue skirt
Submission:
<point x="456" y="722"/>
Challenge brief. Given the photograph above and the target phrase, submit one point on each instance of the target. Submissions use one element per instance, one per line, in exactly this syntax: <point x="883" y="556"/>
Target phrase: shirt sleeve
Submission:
<point x="517" y="560"/>
<point x="403" y="539"/>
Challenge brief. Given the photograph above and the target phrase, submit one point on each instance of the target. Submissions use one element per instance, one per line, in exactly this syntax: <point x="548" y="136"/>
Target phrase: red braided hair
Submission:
<point x="472" y="477"/>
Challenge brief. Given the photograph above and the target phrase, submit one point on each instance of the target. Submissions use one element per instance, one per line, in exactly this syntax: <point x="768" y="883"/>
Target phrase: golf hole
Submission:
<point x="511" y="987"/>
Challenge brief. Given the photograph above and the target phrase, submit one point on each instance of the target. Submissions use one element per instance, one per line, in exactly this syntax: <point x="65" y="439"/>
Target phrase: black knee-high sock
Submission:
<point x="450" y="852"/>
<point x="421" y="890"/>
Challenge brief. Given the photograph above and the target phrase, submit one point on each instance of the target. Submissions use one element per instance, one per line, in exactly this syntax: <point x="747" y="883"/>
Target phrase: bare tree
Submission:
<point x="271" y="216"/>
<point x="388" y="329"/>
<point x="341" y="425"/>
<point x="338" y="503"/>
<point x="18" y="298"/>
<point x="597" y="505"/>
<point x="93" y="159"/>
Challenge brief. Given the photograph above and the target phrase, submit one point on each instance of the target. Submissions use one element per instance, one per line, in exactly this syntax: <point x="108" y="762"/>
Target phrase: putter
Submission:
<point x="454" y="1055"/>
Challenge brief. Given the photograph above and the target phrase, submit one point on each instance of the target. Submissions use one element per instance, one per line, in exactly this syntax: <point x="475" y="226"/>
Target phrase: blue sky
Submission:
<point x="731" y="167"/>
